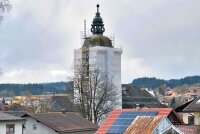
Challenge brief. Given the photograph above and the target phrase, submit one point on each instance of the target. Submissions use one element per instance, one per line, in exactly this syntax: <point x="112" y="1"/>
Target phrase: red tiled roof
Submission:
<point x="108" y="122"/>
<point x="115" y="113"/>
<point x="144" y="125"/>
<point x="188" y="129"/>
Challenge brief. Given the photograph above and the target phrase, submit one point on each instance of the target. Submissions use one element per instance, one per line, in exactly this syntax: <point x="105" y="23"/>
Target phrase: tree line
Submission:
<point x="172" y="83"/>
<point x="36" y="89"/>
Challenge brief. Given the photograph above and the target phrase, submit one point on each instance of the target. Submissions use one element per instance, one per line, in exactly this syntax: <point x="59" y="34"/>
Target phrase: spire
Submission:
<point x="97" y="8"/>
<point x="97" y="23"/>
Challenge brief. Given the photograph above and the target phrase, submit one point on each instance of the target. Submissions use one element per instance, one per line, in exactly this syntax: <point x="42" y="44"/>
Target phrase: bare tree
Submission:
<point x="182" y="89"/>
<point x="44" y="104"/>
<point x="4" y="6"/>
<point x="40" y="103"/>
<point x="161" y="89"/>
<point x="95" y="94"/>
<point x="36" y="103"/>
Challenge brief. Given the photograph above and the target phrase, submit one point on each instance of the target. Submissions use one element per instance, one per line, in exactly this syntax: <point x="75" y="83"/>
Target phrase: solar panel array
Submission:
<point x="124" y="120"/>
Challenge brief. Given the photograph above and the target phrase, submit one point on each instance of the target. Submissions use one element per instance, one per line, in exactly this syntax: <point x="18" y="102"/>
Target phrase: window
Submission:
<point x="34" y="126"/>
<point x="10" y="128"/>
<point x="24" y="125"/>
<point x="191" y="120"/>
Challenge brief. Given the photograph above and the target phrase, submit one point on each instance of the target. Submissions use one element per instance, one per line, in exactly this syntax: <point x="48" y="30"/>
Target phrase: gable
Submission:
<point x="39" y="127"/>
<point x="175" y="118"/>
<point x="172" y="130"/>
<point x="163" y="125"/>
<point x="180" y="108"/>
<point x="194" y="106"/>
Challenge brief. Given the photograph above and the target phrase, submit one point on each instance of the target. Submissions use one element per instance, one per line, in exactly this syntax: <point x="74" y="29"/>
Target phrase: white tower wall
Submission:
<point x="77" y="65"/>
<point x="77" y="57"/>
<point x="108" y="61"/>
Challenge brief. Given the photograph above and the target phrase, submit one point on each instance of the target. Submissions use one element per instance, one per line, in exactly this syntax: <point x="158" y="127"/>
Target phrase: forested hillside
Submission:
<point x="154" y="82"/>
<point x="36" y="89"/>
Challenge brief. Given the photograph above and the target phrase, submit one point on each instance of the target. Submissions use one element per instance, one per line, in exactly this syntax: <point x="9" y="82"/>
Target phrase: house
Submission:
<point x="8" y="100"/>
<point x="192" y="110"/>
<point x="171" y="93"/>
<point x="57" y="123"/>
<point x="132" y="96"/>
<point x="10" y="124"/>
<point x="111" y="122"/>
<point x="152" y="125"/>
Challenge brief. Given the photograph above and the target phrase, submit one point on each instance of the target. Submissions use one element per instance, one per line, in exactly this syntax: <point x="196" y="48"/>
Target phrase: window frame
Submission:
<point x="34" y="126"/>
<point x="10" y="128"/>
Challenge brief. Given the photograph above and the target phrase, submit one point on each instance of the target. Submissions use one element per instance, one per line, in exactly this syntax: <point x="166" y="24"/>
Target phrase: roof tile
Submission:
<point x="194" y="106"/>
<point x="188" y="129"/>
<point x="144" y="125"/>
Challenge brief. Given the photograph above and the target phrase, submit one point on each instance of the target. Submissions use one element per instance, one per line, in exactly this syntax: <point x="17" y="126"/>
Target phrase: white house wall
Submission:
<point x="185" y="117"/>
<point x="18" y="127"/>
<point x="41" y="129"/>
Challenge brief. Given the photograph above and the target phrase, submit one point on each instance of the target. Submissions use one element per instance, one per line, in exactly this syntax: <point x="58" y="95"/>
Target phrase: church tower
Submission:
<point x="98" y="53"/>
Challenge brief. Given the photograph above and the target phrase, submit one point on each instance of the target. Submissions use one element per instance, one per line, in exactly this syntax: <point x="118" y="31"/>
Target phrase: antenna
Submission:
<point x="81" y="38"/>
<point x="85" y="34"/>
<point x="112" y="38"/>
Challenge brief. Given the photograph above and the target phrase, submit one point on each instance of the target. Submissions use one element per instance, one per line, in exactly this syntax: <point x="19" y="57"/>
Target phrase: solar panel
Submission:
<point x="124" y="120"/>
<point x="117" y="129"/>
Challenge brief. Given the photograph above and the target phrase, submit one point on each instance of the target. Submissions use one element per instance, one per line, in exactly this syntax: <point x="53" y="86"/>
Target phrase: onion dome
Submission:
<point x="97" y="39"/>
<point x="97" y="23"/>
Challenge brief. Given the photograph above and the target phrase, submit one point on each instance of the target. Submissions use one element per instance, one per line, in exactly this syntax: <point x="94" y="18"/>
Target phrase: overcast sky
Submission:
<point x="160" y="38"/>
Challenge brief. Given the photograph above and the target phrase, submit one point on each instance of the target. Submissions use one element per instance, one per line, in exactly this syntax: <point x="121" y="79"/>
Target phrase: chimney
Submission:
<point x="137" y="107"/>
<point x="64" y="111"/>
